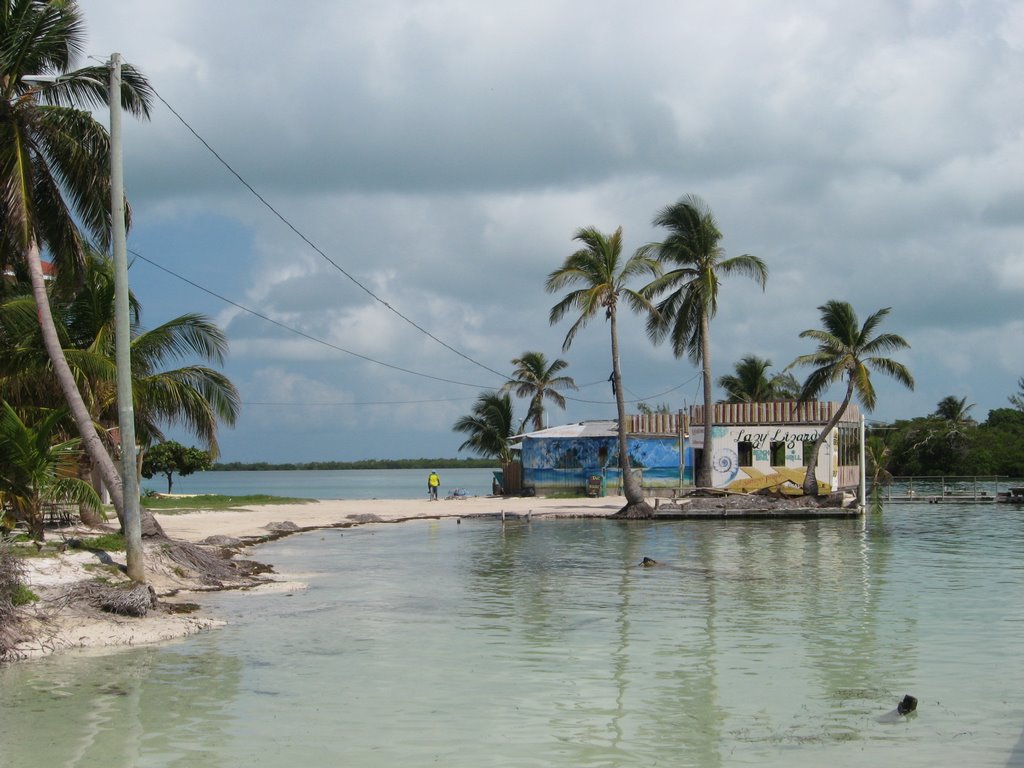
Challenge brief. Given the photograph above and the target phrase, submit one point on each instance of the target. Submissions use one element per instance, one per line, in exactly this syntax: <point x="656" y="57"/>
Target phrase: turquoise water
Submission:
<point x="330" y="484"/>
<point x="542" y="644"/>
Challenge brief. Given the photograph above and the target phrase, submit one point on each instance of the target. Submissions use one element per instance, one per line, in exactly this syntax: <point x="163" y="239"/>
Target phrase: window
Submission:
<point x="808" y="445"/>
<point x="745" y="451"/>
<point x="778" y="453"/>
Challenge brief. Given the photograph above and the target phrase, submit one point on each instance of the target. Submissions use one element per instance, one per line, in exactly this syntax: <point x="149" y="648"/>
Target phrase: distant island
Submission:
<point x="263" y="466"/>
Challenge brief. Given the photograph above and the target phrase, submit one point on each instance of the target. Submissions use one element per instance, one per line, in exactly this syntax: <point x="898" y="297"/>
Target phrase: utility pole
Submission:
<point x="123" y="336"/>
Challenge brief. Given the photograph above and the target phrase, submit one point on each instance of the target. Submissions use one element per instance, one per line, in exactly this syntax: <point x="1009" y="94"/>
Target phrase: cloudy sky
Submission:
<point x="440" y="155"/>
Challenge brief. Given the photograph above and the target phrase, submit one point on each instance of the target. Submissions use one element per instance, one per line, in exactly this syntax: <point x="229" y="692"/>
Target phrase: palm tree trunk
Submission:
<point x="635" y="507"/>
<point x="704" y="475"/>
<point x="811" y="477"/>
<point x="66" y="379"/>
<point x="94" y="447"/>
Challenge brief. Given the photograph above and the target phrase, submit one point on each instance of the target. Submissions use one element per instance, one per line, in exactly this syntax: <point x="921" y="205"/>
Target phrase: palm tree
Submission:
<point x="597" y="267"/>
<point x="535" y="379"/>
<point x="696" y="265"/>
<point x="955" y="410"/>
<point x="877" y="455"/>
<point x="751" y="383"/>
<point x="847" y="349"/>
<point x="192" y="395"/>
<point x="54" y="168"/>
<point x="195" y="396"/>
<point x="35" y="470"/>
<point x="489" y="426"/>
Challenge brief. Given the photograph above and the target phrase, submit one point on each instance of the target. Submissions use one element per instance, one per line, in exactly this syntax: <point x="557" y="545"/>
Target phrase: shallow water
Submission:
<point x="542" y="644"/>
<point x="328" y="483"/>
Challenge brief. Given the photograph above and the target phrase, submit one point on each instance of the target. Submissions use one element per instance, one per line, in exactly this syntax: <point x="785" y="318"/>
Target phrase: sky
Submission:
<point x="425" y="166"/>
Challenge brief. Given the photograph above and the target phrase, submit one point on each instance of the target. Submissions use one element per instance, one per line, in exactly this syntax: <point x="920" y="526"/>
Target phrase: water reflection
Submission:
<point x="544" y="643"/>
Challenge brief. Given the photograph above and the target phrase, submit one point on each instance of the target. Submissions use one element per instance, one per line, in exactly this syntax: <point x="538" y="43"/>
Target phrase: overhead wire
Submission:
<point x="316" y="248"/>
<point x="296" y="331"/>
<point x="269" y="206"/>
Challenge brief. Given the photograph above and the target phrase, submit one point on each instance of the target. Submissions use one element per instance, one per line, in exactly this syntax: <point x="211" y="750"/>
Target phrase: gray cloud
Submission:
<point x="445" y="153"/>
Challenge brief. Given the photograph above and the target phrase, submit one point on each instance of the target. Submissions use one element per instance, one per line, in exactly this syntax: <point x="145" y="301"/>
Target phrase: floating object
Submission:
<point x="908" y="705"/>
<point x="647" y="562"/>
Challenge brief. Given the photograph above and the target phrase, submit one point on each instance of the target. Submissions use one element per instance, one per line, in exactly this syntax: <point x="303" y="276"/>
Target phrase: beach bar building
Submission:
<point x="755" y="446"/>
<point x="767" y="445"/>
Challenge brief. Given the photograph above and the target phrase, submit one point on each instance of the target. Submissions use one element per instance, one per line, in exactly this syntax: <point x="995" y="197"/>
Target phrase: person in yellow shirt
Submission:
<point x="433" y="482"/>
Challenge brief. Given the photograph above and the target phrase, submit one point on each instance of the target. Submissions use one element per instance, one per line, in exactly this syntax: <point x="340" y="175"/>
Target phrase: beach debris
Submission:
<point x="209" y="565"/>
<point x="648" y="562"/>
<point x="907" y="705"/>
<point x="124" y="601"/>
<point x="222" y="541"/>
<point x="286" y="525"/>
<point x="367" y="517"/>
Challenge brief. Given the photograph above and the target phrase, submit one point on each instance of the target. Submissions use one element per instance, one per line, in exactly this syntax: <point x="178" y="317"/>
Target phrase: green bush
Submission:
<point x="23" y="596"/>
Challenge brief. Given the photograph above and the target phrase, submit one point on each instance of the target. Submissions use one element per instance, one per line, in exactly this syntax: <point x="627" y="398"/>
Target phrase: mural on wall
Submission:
<point x="759" y="470"/>
<point x="568" y="462"/>
<point x="725" y="465"/>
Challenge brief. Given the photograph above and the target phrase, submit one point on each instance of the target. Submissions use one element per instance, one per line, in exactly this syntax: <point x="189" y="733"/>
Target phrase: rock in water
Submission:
<point x="908" y="705"/>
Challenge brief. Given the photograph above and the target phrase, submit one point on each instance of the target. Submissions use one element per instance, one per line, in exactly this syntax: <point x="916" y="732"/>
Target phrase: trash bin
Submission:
<point x="595" y="486"/>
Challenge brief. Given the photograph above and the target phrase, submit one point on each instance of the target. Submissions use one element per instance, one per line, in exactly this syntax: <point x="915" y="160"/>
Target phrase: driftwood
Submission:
<point x="211" y="567"/>
<point x="134" y="600"/>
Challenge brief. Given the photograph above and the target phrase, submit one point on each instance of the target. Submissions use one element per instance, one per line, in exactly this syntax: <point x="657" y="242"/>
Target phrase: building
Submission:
<point x="755" y="446"/>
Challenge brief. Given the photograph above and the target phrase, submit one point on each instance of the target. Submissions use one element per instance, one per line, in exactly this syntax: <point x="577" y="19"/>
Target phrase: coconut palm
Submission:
<point x="489" y="426"/>
<point x="535" y="379"/>
<point x="751" y="383"/>
<point x="54" y="168"/>
<point x="597" y="268"/>
<point x="37" y="468"/>
<point x="847" y="350"/>
<point x="695" y="266"/>
<point x="955" y="410"/>
<point x="194" y="396"/>
<point x="877" y="455"/>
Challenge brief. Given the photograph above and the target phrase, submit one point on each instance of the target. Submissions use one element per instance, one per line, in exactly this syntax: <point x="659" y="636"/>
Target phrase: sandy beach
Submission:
<point x="252" y="522"/>
<point x="58" y="625"/>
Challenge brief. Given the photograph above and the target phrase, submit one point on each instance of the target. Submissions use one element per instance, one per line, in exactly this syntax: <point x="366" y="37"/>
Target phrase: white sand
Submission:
<point x="252" y="521"/>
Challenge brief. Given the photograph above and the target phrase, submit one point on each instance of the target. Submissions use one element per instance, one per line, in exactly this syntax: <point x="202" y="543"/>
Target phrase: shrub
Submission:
<point x="13" y="593"/>
<point x="110" y="542"/>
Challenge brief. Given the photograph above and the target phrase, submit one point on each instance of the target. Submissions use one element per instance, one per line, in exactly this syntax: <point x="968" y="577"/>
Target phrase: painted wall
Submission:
<point x="761" y="473"/>
<point x="565" y="464"/>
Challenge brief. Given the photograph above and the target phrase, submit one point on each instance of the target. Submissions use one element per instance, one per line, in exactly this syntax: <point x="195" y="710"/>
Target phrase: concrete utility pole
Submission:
<point x="123" y="336"/>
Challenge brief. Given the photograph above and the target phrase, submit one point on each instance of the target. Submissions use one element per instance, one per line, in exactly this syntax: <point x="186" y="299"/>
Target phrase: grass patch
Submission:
<point x="110" y="542"/>
<point x="23" y="596"/>
<point x="215" y="502"/>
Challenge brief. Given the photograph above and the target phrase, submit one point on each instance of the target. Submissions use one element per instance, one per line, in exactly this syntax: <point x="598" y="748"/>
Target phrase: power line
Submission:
<point x="316" y="248"/>
<point x="368" y="359"/>
<point x="352" y="278"/>
<point x="296" y="331"/>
